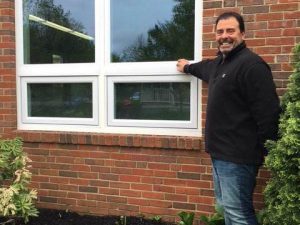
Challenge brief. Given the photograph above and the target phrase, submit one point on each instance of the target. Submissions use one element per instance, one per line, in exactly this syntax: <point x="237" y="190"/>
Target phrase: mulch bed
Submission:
<point x="59" y="217"/>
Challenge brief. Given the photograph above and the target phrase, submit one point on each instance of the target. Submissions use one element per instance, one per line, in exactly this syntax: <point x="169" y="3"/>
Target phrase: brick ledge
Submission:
<point x="123" y="140"/>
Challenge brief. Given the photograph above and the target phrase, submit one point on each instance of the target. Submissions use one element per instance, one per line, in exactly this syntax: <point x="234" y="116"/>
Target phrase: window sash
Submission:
<point x="59" y="120"/>
<point x="192" y="123"/>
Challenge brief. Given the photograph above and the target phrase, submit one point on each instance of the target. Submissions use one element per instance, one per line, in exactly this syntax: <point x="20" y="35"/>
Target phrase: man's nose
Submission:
<point x="224" y="35"/>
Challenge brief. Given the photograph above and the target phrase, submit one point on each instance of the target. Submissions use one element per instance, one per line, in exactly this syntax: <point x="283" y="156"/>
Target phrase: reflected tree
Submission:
<point x="165" y="41"/>
<point x="44" y="44"/>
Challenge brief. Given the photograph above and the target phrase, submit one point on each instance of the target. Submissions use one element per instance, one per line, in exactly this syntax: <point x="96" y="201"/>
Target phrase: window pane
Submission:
<point x="59" y="31"/>
<point x="152" y="30"/>
<point x="152" y="101"/>
<point x="72" y="100"/>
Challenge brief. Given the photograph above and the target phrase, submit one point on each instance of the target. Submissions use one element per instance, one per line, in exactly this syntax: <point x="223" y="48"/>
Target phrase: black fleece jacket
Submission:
<point x="243" y="107"/>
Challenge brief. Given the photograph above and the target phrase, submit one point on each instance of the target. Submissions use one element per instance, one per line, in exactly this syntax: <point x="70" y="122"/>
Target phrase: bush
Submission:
<point x="16" y="199"/>
<point x="282" y="193"/>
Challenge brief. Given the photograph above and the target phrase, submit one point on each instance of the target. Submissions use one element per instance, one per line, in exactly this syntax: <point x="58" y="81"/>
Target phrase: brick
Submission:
<point x="87" y="175"/>
<point x="255" y="9"/>
<point x="80" y="182"/>
<point x="282" y="24"/>
<point x="68" y="174"/>
<point x="131" y="193"/>
<point x="229" y="3"/>
<point x="280" y="41"/>
<point x="48" y="199"/>
<point x="291" y="32"/>
<point x="143" y="172"/>
<point x="109" y="191"/>
<point x="161" y="204"/>
<point x="212" y="4"/>
<point x="153" y="195"/>
<point x="269" y="16"/>
<point x="163" y="188"/>
<point x="184" y="206"/>
<point x="292" y="15"/>
<point x="203" y="200"/>
<point x="189" y="176"/>
<point x="116" y="199"/>
<point x="249" y="2"/>
<point x="187" y="191"/>
<point x="49" y="186"/>
<point x="88" y="189"/>
<point x="142" y="187"/>
<point x="267" y="33"/>
<point x="76" y="195"/>
<point x="207" y="192"/>
<point x="256" y="42"/>
<point x="268" y="50"/>
<point x="284" y="7"/>
<point x="256" y="26"/>
<point x="176" y="197"/>
<point x="165" y="174"/>
<point x="138" y="201"/>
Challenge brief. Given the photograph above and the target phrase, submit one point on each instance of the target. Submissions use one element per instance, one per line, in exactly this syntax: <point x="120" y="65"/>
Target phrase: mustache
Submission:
<point x="225" y="41"/>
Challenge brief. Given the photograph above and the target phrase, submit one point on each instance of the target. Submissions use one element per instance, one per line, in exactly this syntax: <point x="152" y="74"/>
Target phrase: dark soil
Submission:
<point x="58" y="217"/>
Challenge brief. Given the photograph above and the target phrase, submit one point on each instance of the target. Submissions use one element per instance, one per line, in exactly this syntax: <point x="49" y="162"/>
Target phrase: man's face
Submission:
<point x="228" y="35"/>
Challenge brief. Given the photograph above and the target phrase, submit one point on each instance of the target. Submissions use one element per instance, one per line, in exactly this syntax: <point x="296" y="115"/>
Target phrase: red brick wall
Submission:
<point x="129" y="174"/>
<point x="7" y="68"/>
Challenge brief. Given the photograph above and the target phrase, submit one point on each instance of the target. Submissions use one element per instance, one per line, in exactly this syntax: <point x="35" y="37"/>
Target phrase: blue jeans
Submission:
<point x="234" y="185"/>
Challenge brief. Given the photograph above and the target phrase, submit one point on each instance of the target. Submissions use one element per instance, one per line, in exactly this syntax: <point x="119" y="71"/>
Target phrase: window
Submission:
<point x="108" y="66"/>
<point x="59" y="100"/>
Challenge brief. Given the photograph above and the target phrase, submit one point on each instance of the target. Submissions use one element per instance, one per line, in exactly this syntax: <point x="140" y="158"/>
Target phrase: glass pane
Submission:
<point x="59" y="31"/>
<point x="72" y="100"/>
<point x="152" y="101"/>
<point x="152" y="30"/>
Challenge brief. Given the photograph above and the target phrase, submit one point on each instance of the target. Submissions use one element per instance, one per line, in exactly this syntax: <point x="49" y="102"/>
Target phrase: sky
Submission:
<point x="81" y="10"/>
<point x="131" y="18"/>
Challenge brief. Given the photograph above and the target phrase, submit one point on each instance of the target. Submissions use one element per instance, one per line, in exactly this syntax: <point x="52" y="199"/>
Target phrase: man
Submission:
<point x="242" y="113"/>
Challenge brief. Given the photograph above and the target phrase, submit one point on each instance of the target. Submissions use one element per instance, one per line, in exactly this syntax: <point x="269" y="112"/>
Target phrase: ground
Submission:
<point x="57" y="217"/>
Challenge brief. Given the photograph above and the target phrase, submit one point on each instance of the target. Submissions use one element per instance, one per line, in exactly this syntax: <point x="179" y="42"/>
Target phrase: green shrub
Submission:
<point x="216" y="219"/>
<point x="16" y="199"/>
<point x="282" y="193"/>
<point x="186" y="218"/>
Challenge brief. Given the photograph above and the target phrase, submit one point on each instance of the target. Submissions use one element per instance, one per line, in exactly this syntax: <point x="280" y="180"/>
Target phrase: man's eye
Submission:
<point x="219" y="32"/>
<point x="230" y="31"/>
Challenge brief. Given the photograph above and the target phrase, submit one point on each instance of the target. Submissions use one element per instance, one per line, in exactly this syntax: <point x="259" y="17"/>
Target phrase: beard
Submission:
<point x="227" y="45"/>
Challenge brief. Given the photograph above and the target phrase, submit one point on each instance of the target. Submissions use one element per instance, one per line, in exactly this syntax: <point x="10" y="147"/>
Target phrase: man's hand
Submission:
<point x="180" y="64"/>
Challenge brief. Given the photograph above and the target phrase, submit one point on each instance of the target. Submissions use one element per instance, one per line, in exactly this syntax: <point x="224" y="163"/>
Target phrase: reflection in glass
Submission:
<point x="152" y="101"/>
<point x="58" y="31"/>
<point x="71" y="100"/>
<point x="152" y="30"/>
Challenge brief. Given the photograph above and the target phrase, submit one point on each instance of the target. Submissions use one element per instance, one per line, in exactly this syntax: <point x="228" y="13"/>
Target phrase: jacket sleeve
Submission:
<point x="199" y="69"/>
<point x="263" y="101"/>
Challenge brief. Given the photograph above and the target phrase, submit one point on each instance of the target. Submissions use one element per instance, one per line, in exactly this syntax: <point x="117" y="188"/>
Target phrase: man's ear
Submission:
<point x="243" y="35"/>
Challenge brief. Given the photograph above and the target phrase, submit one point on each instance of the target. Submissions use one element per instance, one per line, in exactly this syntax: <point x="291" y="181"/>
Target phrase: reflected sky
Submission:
<point x="78" y="10"/>
<point x="132" y="18"/>
<point x="129" y="18"/>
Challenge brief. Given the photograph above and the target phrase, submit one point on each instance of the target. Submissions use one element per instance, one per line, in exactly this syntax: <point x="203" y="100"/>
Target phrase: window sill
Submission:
<point x="122" y="140"/>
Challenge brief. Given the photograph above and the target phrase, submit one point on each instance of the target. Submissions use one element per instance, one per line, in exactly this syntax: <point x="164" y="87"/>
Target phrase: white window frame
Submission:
<point x="102" y="70"/>
<point x="59" y="120"/>
<point x="192" y="123"/>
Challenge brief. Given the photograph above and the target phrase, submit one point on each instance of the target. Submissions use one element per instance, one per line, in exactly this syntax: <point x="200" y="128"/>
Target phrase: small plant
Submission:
<point x="122" y="221"/>
<point x="16" y="199"/>
<point x="216" y="219"/>
<point x="186" y="218"/>
<point x="156" y="219"/>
